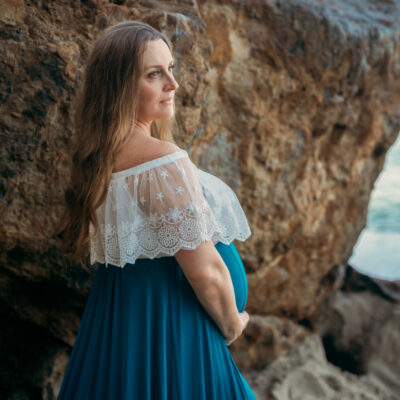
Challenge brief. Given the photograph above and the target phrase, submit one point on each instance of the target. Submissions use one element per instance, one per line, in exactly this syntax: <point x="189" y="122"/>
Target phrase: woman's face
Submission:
<point x="157" y="83"/>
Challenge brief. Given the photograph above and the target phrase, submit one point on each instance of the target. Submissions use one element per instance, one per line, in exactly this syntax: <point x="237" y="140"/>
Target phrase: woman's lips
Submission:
<point x="168" y="101"/>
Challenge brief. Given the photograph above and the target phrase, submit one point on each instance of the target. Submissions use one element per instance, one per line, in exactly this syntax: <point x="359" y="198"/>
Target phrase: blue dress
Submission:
<point x="145" y="335"/>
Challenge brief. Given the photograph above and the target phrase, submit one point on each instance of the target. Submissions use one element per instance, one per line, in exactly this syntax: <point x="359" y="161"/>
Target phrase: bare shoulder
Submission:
<point x="141" y="151"/>
<point x="164" y="148"/>
<point x="154" y="148"/>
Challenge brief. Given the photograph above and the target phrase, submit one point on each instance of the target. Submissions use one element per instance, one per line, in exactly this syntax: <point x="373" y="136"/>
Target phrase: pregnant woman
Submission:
<point x="170" y="288"/>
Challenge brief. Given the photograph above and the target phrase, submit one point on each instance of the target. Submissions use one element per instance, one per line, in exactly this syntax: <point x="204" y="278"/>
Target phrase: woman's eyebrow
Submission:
<point x="157" y="66"/>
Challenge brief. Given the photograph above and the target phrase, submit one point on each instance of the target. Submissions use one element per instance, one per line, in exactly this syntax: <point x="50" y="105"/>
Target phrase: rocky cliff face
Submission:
<point x="294" y="104"/>
<point x="302" y="106"/>
<point x="352" y="353"/>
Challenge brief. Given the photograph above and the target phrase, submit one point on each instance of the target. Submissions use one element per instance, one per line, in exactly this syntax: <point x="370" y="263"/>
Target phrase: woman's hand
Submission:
<point x="244" y="320"/>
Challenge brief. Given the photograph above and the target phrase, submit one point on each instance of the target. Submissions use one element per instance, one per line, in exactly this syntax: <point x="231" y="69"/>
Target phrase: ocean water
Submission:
<point x="377" y="251"/>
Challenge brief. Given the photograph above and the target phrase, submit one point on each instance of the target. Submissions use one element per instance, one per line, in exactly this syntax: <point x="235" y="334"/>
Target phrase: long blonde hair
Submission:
<point x="106" y="112"/>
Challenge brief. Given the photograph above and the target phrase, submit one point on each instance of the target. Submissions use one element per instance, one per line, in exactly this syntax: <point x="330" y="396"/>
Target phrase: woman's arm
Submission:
<point x="209" y="277"/>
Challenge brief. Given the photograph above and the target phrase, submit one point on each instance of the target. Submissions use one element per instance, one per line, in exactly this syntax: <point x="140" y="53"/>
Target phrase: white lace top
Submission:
<point x="161" y="206"/>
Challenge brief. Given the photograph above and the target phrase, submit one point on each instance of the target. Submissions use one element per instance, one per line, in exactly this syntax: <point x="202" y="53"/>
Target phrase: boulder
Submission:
<point x="293" y="104"/>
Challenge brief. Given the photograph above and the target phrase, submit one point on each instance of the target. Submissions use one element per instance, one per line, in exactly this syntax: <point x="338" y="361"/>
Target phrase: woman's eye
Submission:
<point x="152" y="74"/>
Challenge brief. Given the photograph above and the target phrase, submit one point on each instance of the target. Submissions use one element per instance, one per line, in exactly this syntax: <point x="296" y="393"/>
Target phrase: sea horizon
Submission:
<point x="377" y="251"/>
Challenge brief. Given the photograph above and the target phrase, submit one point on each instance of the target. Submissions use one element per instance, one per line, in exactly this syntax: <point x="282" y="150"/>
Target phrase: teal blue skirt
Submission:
<point x="145" y="335"/>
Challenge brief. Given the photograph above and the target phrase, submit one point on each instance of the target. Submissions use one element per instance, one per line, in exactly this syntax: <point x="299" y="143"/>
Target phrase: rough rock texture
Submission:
<point x="349" y="350"/>
<point x="303" y="373"/>
<point x="303" y="104"/>
<point x="264" y="339"/>
<point x="294" y="104"/>
<point x="353" y="353"/>
<point x="360" y="327"/>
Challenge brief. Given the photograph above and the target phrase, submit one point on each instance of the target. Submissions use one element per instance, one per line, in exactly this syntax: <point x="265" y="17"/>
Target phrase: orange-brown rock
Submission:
<point x="303" y="104"/>
<point x="294" y="104"/>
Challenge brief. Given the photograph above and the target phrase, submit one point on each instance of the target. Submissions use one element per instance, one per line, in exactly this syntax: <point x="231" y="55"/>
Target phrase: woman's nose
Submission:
<point x="172" y="83"/>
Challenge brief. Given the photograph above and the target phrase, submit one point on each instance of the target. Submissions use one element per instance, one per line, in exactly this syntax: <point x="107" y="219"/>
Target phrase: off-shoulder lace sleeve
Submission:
<point x="164" y="206"/>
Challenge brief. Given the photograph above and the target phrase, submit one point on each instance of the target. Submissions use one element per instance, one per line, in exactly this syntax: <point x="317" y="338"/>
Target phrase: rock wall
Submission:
<point x="294" y="104"/>
<point x="352" y="351"/>
<point x="302" y="106"/>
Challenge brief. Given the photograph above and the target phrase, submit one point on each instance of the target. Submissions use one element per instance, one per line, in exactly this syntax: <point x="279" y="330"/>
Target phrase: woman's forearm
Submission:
<point x="216" y="293"/>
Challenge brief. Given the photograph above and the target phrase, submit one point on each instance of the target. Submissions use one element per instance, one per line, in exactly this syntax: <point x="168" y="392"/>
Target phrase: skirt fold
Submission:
<point x="144" y="335"/>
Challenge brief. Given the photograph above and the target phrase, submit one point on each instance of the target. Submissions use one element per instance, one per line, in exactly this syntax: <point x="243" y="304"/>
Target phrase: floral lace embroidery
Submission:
<point x="164" y="209"/>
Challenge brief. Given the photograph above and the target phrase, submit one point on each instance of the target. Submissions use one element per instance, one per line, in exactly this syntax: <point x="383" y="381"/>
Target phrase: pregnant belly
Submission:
<point x="236" y="268"/>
